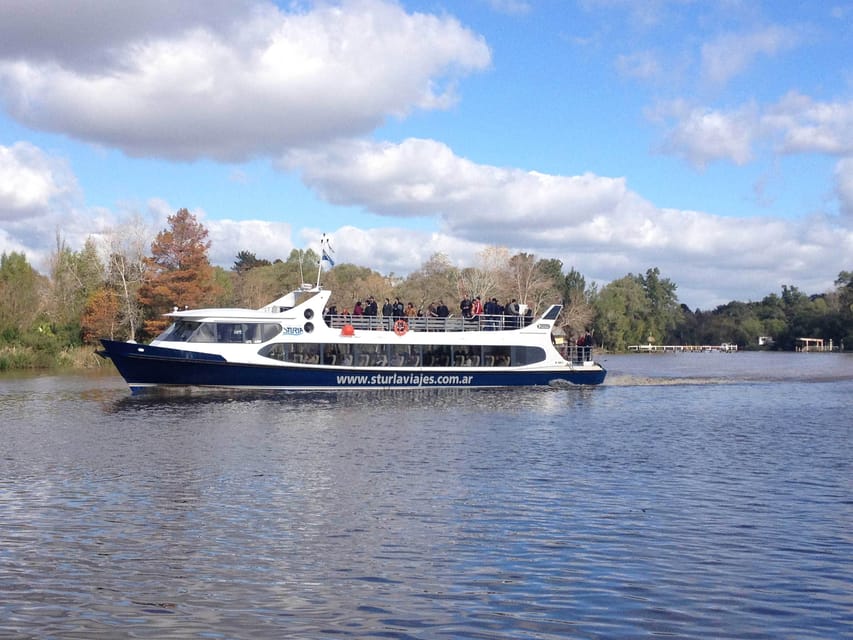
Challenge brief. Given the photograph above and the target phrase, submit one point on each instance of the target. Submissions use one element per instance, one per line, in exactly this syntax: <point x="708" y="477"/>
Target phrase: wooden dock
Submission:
<point x="683" y="348"/>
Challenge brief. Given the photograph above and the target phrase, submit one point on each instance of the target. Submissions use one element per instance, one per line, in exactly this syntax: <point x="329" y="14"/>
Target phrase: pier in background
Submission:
<point x="679" y="348"/>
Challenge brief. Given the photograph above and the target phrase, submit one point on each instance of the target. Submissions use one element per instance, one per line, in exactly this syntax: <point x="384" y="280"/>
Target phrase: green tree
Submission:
<point x="663" y="310"/>
<point x="20" y="296"/>
<point x="436" y="280"/>
<point x="844" y="308"/>
<point x="247" y="260"/>
<point x="74" y="276"/>
<point x="351" y="283"/>
<point x="621" y="314"/>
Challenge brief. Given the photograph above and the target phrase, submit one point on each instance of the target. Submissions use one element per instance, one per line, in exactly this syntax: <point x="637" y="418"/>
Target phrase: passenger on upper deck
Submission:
<point x="330" y="313"/>
<point x="371" y="308"/>
<point x="492" y="311"/>
<point x="388" y="313"/>
<point x="512" y="311"/>
<point x="398" y="311"/>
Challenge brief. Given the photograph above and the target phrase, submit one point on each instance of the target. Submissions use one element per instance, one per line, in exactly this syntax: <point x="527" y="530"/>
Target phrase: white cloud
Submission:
<point x="267" y="240"/>
<point x="31" y="182"/>
<point x="86" y="35"/>
<point x="808" y="126"/>
<point x="795" y="124"/>
<point x="731" y="53"/>
<point x="271" y="80"/>
<point x="425" y="178"/>
<point x="701" y="135"/>
<point x="595" y="223"/>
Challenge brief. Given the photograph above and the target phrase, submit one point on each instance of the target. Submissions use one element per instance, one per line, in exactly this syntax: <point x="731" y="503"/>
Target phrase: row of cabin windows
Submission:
<point x="225" y="332"/>
<point x="393" y="355"/>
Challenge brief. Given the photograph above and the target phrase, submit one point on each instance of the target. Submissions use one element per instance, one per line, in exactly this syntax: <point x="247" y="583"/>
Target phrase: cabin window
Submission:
<point x="205" y="333"/>
<point x="351" y="354"/>
<point x="437" y="355"/>
<point x="527" y="355"/>
<point x="221" y="332"/>
<point x="497" y="356"/>
<point x="180" y="331"/>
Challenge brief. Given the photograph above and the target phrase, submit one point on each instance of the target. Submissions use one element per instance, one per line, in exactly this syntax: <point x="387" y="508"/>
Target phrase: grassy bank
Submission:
<point x="22" y="357"/>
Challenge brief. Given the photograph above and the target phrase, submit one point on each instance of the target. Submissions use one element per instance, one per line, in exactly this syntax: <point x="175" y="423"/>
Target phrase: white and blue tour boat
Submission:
<point x="291" y="345"/>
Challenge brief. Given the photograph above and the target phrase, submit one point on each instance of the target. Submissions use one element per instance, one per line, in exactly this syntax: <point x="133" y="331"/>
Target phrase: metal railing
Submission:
<point x="452" y="323"/>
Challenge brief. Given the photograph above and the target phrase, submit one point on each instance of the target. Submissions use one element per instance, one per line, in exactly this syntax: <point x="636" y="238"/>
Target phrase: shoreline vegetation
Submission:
<point x="121" y="283"/>
<point x="24" y="358"/>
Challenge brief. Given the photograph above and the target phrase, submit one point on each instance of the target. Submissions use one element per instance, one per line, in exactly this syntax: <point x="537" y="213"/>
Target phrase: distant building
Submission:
<point x="813" y="344"/>
<point x="765" y="341"/>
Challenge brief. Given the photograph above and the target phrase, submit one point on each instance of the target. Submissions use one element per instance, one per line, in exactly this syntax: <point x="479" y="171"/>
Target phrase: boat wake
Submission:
<point x="647" y="381"/>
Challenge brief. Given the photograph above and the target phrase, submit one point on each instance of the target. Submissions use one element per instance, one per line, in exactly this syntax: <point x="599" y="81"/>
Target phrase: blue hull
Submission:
<point x="144" y="367"/>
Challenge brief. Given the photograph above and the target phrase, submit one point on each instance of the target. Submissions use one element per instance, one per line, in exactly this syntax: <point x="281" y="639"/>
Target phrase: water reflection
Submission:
<point x="398" y="400"/>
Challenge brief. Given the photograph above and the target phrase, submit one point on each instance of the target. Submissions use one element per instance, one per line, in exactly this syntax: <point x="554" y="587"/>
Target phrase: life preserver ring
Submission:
<point x="400" y="327"/>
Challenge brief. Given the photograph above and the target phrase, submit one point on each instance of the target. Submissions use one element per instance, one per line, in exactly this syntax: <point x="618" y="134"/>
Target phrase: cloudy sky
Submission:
<point x="711" y="138"/>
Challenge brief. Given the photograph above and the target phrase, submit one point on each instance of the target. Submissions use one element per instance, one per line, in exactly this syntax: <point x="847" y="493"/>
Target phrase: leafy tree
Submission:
<point x="224" y="287"/>
<point x="74" y="276"/>
<point x="101" y="315"/>
<point x="578" y="312"/>
<point x="179" y="273"/>
<point x="621" y="314"/>
<point x="247" y="260"/>
<point x="20" y="295"/>
<point x="350" y="283"/>
<point x="844" y="308"/>
<point x="436" y="280"/>
<point x="552" y="268"/>
<point x="126" y="272"/>
<point x="663" y="311"/>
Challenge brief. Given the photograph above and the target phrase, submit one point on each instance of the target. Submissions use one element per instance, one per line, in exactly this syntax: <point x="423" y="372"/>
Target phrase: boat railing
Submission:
<point x="424" y="323"/>
<point x="576" y="354"/>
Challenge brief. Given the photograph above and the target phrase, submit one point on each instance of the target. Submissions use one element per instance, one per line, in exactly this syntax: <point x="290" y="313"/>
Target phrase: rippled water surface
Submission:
<point x="692" y="496"/>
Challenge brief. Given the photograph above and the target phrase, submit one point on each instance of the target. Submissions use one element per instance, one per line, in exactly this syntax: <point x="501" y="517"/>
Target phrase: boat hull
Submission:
<point x="145" y="368"/>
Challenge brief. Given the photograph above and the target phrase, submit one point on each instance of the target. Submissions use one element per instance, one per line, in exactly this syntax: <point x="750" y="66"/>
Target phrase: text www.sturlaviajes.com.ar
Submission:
<point x="407" y="380"/>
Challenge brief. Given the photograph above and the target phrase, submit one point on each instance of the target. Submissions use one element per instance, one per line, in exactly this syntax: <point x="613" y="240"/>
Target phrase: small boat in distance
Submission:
<point x="290" y="345"/>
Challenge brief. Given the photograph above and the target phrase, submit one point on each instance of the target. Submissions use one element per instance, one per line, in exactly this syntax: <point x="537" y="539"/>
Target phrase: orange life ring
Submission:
<point x="400" y="327"/>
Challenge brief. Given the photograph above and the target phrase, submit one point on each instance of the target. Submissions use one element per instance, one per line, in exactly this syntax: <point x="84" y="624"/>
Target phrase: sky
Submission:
<point x="712" y="139"/>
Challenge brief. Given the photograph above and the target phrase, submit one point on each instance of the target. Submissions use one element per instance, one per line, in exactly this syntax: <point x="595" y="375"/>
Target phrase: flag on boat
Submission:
<point x="326" y="250"/>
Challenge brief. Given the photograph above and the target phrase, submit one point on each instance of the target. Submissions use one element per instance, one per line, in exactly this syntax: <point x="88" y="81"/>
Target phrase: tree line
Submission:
<point x="120" y="288"/>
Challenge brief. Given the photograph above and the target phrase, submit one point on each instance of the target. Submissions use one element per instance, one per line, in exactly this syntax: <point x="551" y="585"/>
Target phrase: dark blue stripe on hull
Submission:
<point x="169" y="367"/>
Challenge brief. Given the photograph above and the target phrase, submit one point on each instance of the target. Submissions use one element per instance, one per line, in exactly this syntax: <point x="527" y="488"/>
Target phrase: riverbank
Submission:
<point x="22" y="358"/>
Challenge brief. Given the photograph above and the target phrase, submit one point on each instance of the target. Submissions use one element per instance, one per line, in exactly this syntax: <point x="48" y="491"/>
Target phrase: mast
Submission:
<point x="326" y="252"/>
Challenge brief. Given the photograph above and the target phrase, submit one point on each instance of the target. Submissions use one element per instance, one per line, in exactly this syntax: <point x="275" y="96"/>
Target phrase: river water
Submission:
<point x="691" y="496"/>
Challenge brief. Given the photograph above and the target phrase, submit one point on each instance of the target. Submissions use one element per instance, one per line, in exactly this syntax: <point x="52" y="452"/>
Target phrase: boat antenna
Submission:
<point x="326" y="252"/>
<point x="301" y="258"/>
